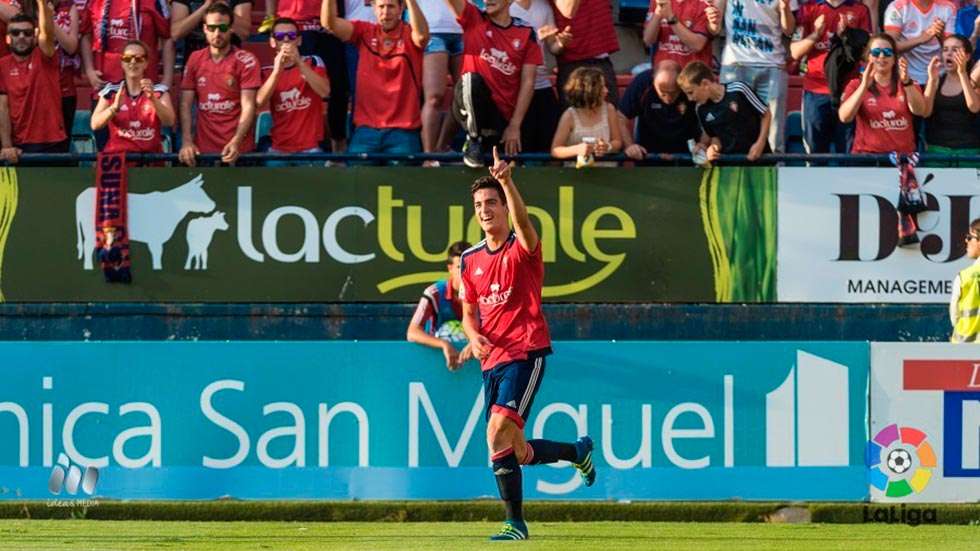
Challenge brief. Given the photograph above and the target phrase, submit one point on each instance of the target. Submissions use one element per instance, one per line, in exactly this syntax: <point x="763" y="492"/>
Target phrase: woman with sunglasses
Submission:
<point x="135" y="108"/>
<point x="883" y="101"/>
<point x="952" y="101"/>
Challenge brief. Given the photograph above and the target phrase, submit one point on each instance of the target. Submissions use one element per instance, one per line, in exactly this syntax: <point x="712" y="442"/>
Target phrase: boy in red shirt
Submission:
<point x="502" y="277"/>
<point x="223" y="79"/>
<point x="500" y="58"/>
<point x="30" y="89"/>
<point x="387" y="113"/>
<point x="294" y="89"/>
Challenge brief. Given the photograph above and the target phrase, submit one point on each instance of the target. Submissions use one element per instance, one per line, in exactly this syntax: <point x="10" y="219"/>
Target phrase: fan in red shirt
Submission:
<point x="135" y="108"/>
<point x="819" y="22"/>
<point x="502" y="277"/>
<point x="593" y="41"/>
<point x="223" y="79"/>
<point x="681" y="30"/>
<point x="108" y="25"/>
<point x="883" y="101"/>
<point x="294" y="89"/>
<point x="500" y="58"/>
<point x="30" y="89"/>
<point x="387" y="114"/>
<point x="66" y="21"/>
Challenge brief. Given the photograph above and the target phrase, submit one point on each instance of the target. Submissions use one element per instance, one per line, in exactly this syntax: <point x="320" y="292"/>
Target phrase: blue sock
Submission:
<point x="510" y="483"/>
<point x="549" y="451"/>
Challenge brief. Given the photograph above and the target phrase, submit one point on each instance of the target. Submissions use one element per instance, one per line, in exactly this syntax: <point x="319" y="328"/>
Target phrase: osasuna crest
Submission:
<point x="517" y="44"/>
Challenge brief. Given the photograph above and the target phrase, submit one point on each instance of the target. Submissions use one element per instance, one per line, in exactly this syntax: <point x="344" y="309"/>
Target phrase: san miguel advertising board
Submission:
<point x="838" y="236"/>
<point x="386" y="420"/>
<point x="381" y="234"/>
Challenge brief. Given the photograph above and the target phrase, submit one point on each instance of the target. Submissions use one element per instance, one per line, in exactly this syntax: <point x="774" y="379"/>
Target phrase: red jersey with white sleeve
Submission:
<point x="884" y="121"/>
<point x="854" y="13"/>
<point x="505" y="284"/>
<point x="498" y="54"/>
<point x="691" y="14"/>
<point x="136" y="127"/>
<point x="113" y="23"/>
<point x="297" y="110"/>
<point x="389" y="71"/>
<point x="218" y="86"/>
<point x="33" y="90"/>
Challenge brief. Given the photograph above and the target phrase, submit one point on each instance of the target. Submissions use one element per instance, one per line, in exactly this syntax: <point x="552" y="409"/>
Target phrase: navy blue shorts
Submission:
<point x="509" y="388"/>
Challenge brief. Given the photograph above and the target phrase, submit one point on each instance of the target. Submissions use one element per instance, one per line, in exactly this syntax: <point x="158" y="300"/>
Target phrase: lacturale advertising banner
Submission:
<point x="381" y="234"/>
<point x="838" y="237"/>
<point x="386" y="420"/>
<point x="925" y="423"/>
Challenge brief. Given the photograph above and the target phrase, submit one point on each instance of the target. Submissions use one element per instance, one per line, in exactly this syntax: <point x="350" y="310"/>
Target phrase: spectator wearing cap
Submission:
<point x="755" y="54"/>
<point x="883" y="101"/>
<point x="293" y="90"/>
<point x="387" y="118"/>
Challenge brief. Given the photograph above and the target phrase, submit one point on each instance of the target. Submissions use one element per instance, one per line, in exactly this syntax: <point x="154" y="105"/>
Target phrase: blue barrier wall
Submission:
<point x="886" y="322"/>
<point x="384" y="420"/>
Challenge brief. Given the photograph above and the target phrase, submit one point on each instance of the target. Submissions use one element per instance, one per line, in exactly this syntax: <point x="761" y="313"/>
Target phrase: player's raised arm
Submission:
<point x="526" y="234"/>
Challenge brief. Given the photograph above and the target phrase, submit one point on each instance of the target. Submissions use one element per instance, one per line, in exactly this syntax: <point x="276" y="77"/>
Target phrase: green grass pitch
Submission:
<point x="78" y="535"/>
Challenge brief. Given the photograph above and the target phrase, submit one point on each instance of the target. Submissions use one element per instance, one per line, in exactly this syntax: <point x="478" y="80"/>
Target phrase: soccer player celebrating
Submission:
<point x="502" y="278"/>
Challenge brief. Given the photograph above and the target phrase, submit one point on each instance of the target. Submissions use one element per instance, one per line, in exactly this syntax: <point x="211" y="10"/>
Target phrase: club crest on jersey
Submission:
<point x="517" y="44"/>
<point x="230" y="80"/>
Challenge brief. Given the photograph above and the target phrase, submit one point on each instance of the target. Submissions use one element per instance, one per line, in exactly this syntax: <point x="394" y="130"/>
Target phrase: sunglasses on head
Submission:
<point x="287" y="36"/>
<point x="20" y="32"/>
<point x="878" y="52"/>
<point x="220" y="27"/>
<point x="133" y="58"/>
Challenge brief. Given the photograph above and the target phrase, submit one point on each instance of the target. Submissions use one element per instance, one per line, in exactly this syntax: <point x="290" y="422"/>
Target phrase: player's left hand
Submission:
<point x="501" y="169"/>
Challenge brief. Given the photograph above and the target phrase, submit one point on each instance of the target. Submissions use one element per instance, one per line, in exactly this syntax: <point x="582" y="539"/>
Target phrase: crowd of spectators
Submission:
<point x="717" y="82"/>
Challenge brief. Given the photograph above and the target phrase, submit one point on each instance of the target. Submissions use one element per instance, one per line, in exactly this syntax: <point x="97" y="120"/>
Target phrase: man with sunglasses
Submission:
<point x="388" y="116"/>
<point x="294" y="89"/>
<point x="964" y="305"/>
<point x="223" y="79"/>
<point x="30" y="88"/>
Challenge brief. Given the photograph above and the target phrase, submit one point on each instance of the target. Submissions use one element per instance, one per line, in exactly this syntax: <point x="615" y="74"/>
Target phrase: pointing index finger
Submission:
<point x="496" y="156"/>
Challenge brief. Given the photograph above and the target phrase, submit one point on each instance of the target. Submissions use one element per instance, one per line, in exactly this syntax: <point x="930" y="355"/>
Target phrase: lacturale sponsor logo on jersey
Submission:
<point x="496" y="296"/>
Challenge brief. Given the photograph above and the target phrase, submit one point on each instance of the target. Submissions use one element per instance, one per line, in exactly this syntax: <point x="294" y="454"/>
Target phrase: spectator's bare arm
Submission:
<point x="512" y="134"/>
<point x="760" y="142"/>
<point x="568" y="8"/>
<point x="872" y="6"/>
<point x="243" y="20"/>
<point x="933" y="32"/>
<point x="8" y="152"/>
<point x="162" y="104"/>
<point x="787" y="21"/>
<point x="231" y="151"/>
<point x="188" y="150"/>
<point x="799" y="48"/>
<point x="420" y="27"/>
<point x="88" y="65"/>
<point x="182" y="21"/>
<point x="651" y="29"/>
<point x="7" y="11"/>
<point x="341" y="28"/>
<point x="455" y="6"/>
<point x="169" y="60"/>
<point x="558" y="148"/>
<point x="849" y="107"/>
<point x="318" y="82"/>
<point x="932" y="87"/>
<point x="45" y="29"/>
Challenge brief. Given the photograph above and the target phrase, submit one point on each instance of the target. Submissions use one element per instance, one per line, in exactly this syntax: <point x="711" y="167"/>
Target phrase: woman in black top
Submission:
<point x="952" y="102"/>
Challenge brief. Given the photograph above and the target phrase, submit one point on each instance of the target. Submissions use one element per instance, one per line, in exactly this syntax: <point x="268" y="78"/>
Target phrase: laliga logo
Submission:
<point x="908" y="461"/>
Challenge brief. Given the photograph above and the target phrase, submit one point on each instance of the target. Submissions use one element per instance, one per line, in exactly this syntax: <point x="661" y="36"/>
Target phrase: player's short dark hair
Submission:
<point x="285" y="21"/>
<point x="221" y="9"/>
<point x="22" y="18"/>
<point x="457" y="249"/>
<point x="694" y="73"/>
<point x="487" y="182"/>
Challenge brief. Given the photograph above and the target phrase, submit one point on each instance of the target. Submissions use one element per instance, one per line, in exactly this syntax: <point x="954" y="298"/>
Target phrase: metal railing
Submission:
<point x="68" y="159"/>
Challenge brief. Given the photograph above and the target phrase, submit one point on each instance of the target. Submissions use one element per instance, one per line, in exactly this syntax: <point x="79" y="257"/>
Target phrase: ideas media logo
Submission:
<point x="69" y="478"/>
<point x="900" y="461"/>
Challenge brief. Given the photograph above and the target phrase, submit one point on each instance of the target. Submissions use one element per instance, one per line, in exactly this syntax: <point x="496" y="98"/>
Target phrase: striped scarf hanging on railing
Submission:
<point x="111" y="220"/>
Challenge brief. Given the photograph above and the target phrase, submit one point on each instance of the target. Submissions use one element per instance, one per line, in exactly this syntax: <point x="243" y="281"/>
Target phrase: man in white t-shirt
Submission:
<point x="755" y="53"/>
<point x="918" y="28"/>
